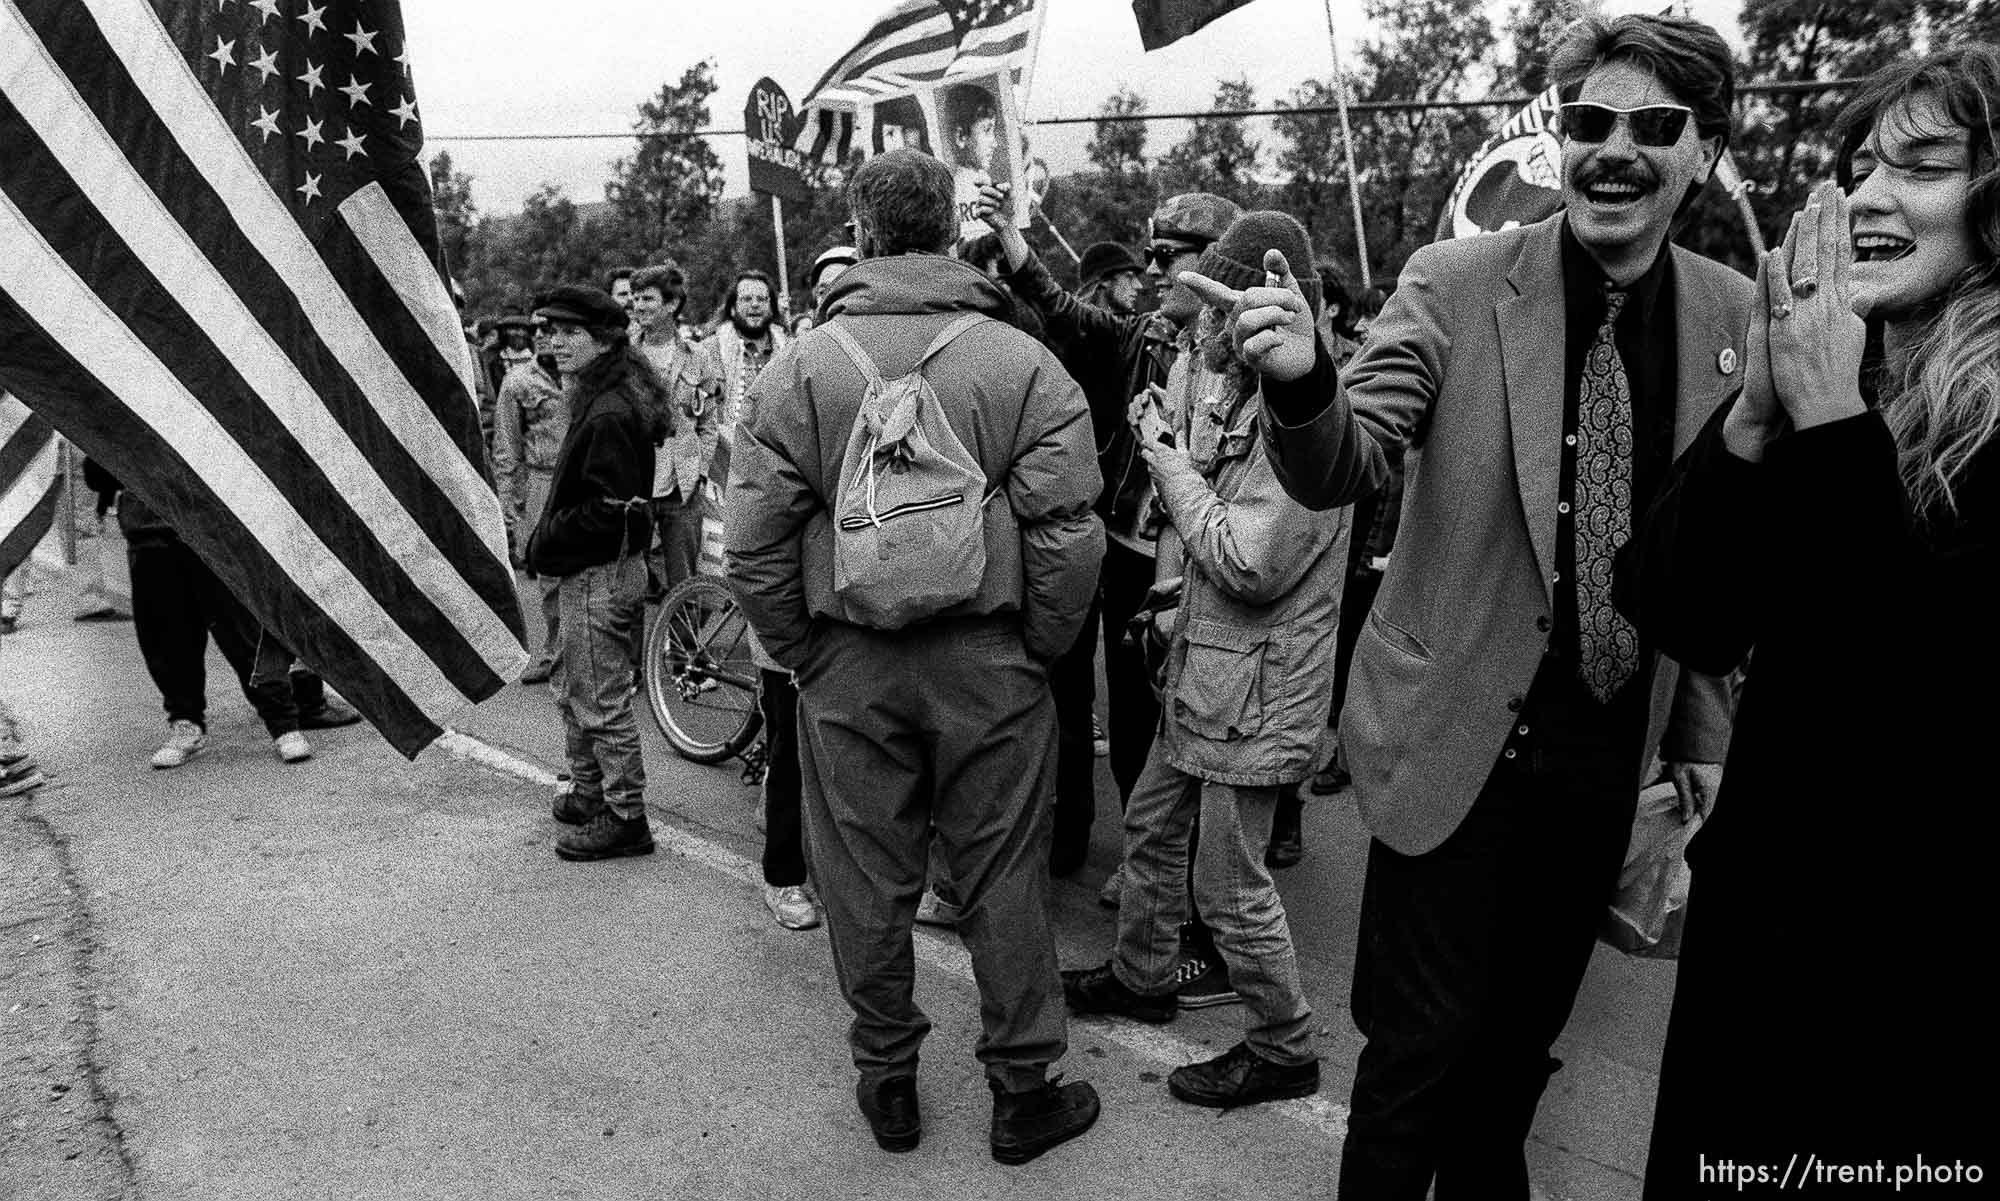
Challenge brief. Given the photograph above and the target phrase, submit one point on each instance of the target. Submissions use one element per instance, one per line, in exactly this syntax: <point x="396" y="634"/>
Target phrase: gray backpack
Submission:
<point x="908" y="532"/>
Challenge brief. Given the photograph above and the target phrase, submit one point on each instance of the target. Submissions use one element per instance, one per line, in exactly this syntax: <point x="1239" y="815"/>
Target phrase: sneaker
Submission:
<point x="1027" y="1124"/>
<point x="1098" y="990"/>
<point x="329" y="714"/>
<point x="891" y="1109"/>
<point x="1114" y="887"/>
<point x="607" y="836"/>
<point x="934" y="910"/>
<point x="1100" y="746"/>
<point x="539" y="671"/>
<point x="1200" y="982"/>
<point x="104" y="615"/>
<point x="1240" y="1076"/>
<point x="8" y="625"/>
<point x="292" y="747"/>
<point x="184" y="741"/>
<point x="20" y="777"/>
<point x="794" y="910"/>
<point x="1288" y="839"/>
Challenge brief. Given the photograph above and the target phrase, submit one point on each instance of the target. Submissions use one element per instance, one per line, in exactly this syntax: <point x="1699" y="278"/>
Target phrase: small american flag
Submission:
<point x="219" y="276"/>
<point x="914" y="45"/>
<point x="30" y="487"/>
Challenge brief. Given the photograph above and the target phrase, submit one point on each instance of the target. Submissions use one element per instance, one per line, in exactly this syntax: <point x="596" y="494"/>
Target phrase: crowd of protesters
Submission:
<point x="1512" y="534"/>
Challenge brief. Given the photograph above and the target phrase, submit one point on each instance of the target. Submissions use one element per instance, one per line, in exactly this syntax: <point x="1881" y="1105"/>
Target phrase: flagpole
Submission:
<point x="1347" y="145"/>
<point x="778" y="238"/>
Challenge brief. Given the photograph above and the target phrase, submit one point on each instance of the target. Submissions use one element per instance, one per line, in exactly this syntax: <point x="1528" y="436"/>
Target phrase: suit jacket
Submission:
<point x="1464" y="371"/>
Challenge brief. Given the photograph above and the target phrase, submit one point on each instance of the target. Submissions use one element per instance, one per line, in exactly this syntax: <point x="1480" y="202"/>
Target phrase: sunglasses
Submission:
<point x="1163" y="254"/>
<point x="1650" y="124"/>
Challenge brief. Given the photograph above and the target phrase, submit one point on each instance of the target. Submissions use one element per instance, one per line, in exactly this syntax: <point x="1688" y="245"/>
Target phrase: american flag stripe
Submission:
<point x="30" y="487"/>
<point x="271" y="383"/>
<point x="254" y="570"/>
<point x="284" y="381"/>
<point x="65" y="315"/>
<point x="170" y="90"/>
<point x="910" y="21"/>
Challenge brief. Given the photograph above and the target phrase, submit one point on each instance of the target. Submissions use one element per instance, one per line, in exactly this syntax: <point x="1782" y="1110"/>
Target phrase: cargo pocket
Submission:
<point x="1220" y="695"/>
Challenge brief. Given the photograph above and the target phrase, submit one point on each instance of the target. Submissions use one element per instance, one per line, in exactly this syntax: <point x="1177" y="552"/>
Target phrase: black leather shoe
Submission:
<point x="1027" y="1124"/>
<point x="328" y="715"/>
<point x="1288" y="842"/>
<point x="891" y="1109"/>
<point x="607" y="836"/>
<point x="1240" y="1076"/>
<point x="1096" y="990"/>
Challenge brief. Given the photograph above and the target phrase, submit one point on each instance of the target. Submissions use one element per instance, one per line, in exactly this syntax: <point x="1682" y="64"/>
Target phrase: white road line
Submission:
<point x="1328" y="1118"/>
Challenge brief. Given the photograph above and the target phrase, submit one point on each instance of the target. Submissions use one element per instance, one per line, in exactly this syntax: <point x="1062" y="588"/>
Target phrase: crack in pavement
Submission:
<point x="77" y="937"/>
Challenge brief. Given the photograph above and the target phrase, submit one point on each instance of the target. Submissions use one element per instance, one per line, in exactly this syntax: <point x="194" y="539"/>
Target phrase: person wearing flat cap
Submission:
<point x="592" y="537"/>
<point x="1113" y="278"/>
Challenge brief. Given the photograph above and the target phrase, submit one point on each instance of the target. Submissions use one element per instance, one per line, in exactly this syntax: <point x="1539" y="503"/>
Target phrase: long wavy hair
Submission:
<point x="1944" y="406"/>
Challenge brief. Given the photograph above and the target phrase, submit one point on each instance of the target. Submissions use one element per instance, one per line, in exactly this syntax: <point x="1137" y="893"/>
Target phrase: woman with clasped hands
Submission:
<point x="1837" y="524"/>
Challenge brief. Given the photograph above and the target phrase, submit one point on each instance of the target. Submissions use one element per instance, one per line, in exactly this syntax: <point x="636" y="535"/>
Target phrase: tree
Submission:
<point x="1314" y="162"/>
<point x="457" y="217"/>
<point x="670" y="185"/>
<point x="1532" y="29"/>
<point x="1219" y="155"/>
<point x="1428" y="50"/>
<point x="1119" y="147"/>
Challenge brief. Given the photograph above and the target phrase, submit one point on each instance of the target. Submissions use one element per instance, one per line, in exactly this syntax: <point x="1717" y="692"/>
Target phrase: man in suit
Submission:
<point x="1500" y="710"/>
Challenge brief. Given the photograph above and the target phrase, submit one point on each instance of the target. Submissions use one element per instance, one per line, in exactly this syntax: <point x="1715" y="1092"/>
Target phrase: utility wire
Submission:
<point x="1309" y="110"/>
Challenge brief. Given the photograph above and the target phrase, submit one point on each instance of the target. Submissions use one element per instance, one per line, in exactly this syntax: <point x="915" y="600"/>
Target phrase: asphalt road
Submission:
<point x="362" y="977"/>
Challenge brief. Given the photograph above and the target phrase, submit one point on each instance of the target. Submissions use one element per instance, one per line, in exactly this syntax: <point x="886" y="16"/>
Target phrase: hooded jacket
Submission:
<point x="1008" y="400"/>
<point x="596" y="512"/>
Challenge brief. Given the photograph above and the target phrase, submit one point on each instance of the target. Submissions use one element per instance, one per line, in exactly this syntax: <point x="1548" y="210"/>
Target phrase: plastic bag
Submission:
<point x="1646" y="913"/>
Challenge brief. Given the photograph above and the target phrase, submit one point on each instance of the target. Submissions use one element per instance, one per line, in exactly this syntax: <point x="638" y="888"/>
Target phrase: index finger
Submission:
<point x="1221" y="295"/>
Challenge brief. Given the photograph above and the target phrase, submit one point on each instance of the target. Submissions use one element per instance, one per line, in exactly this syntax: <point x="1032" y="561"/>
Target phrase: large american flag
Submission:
<point x="219" y="276"/>
<point x="30" y="487"/>
<point x="916" y="44"/>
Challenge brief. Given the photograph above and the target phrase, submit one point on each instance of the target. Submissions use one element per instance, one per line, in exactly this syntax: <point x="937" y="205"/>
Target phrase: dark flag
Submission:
<point x="30" y="487"/>
<point x="1164" y="22"/>
<point x="219" y="277"/>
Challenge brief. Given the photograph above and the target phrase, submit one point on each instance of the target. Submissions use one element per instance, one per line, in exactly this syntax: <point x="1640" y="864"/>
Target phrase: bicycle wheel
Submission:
<point x="699" y="677"/>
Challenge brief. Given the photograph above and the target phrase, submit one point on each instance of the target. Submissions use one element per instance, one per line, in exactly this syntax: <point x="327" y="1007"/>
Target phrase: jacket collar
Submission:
<point x="907" y="284"/>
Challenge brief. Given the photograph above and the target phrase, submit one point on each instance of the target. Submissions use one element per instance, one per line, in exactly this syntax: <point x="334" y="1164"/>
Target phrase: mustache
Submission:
<point x="1589" y="176"/>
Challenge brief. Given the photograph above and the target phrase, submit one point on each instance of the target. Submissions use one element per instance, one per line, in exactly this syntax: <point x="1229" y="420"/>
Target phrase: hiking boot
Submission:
<point x="185" y="740"/>
<point x="329" y="714"/>
<point x="1329" y="779"/>
<point x="1200" y="982"/>
<point x="891" y="1109"/>
<point x="791" y="908"/>
<point x="1098" y="990"/>
<point x="607" y="836"/>
<point x="934" y="910"/>
<point x="1027" y="1124"/>
<point x="292" y="747"/>
<point x="571" y="809"/>
<point x="1240" y="1076"/>
<point x="1288" y="840"/>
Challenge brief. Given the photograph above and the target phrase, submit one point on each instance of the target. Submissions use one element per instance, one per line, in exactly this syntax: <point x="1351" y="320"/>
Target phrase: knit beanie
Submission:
<point x="1238" y="259"/>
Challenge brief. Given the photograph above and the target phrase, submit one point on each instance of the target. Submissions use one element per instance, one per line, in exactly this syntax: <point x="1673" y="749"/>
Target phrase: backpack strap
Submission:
<point x="947" y="336"/>
<point x="862" y="362"/>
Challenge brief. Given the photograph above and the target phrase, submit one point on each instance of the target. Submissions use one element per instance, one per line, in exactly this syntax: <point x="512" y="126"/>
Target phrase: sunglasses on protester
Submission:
<point x="1650" y="124"/>
<point x="1164" y="253"/>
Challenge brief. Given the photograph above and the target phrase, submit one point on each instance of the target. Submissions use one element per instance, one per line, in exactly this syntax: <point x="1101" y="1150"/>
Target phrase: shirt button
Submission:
<point x="1510" y="752"/>
<point x="1569" y="440"/>
<point x="1521" y="730"/>
<point x="1513" y="704"/>
<point x="1555" y="577"/>
<point x="1562" y="507"/>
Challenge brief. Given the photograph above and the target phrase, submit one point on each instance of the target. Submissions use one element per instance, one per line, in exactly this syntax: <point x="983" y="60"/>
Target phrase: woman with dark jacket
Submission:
<point x="592" y="536"/>
<point x="1839" y="524"/>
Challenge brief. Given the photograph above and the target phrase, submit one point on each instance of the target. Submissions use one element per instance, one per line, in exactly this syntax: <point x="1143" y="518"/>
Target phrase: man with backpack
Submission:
<point x="910" y="533"/>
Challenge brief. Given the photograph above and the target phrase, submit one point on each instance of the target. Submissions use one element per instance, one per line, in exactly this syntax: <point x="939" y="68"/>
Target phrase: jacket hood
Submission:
<point x="915" y="283"/>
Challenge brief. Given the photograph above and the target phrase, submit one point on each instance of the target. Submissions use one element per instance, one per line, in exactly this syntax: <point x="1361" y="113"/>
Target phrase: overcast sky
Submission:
<point x="583" y="66"/>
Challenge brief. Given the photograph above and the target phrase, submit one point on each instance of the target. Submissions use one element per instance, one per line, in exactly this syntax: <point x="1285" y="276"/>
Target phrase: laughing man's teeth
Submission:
<point x="1882" y="247"/>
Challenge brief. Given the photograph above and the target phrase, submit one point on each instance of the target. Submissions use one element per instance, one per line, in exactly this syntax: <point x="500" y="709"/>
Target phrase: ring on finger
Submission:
<point x="1780" y="311"/>
<point x="1804" y="288"/>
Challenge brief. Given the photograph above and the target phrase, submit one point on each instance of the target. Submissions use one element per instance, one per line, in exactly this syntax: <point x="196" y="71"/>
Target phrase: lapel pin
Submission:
<point x="1725" y="362"/>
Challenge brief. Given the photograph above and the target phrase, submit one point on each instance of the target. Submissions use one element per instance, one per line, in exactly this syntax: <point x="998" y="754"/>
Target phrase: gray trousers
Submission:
<point x="602" y="613"/>
<point x="947" y="724"/>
